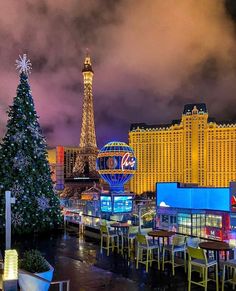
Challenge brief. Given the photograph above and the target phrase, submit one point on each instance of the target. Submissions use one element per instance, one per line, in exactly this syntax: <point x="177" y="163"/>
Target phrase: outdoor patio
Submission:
<point x="80" y="261"/>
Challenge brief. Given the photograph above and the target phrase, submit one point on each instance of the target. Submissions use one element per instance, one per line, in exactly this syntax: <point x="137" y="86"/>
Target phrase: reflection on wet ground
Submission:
<point x="80" y="261"/>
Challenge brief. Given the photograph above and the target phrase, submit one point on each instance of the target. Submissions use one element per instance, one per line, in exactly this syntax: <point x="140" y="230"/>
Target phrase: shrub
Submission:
<point x="34" y="262"/>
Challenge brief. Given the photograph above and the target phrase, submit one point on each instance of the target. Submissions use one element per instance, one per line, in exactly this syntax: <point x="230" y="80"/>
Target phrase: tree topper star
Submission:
<point x="23" y="64"/>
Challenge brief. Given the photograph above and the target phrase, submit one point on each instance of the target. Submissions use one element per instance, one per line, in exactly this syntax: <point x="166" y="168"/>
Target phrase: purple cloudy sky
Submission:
<point x="149" y="57"/>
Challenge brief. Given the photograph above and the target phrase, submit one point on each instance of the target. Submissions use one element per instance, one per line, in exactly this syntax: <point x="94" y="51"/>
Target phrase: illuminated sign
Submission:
<point x="111" y="163"/>
<point x="116" y="164"/>
<point x="60" y="155"/>
<point x="60" y="168"/>
<point x="170" y="194"/>
<point x="116" y="203"/>
<point x="233" y="196"/>
<point x="122" y="204"/>
<point x="127" y="161"/>
<point x="106" y="204"/>
<point x="233" y="201"/>
<point x="214" y="233"/>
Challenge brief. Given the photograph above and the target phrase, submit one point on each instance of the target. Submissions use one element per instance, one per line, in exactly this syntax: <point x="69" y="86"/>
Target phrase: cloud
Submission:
<point x="149" y="57"/>
<point x="164" y="47"/>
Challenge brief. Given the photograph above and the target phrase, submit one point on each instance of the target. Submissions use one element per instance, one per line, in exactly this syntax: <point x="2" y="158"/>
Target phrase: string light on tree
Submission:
<point x="20" y="161"/>
<point x="16" y="219"/>
<point x="24" y="168"/>
<point x="18" y="137"/>
<point x="17" y="189"/>
<point x="43" y="203"/>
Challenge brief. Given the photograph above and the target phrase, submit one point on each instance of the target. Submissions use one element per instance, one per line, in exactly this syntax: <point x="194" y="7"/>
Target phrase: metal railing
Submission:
<point x="61" y="284"/>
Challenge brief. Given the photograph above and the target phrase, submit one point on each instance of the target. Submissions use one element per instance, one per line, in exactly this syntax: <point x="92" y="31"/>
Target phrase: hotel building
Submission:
<point x="193" y="150"/>
<point x="62" y="160"/>
<point x="207" y="212"/>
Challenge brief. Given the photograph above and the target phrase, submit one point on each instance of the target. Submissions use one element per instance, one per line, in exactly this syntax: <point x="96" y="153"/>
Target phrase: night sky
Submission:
<point x="149" y="58"/>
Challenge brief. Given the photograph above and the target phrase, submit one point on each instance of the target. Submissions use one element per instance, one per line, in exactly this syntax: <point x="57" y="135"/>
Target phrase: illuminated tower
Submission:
<point x="85" y="165"/>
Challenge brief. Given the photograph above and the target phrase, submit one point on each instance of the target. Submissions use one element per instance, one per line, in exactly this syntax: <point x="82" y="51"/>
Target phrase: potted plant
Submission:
<point x="34" y="266"/>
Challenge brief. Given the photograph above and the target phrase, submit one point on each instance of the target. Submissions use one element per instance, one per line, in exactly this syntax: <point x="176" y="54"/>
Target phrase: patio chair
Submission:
<point x="132" y="233"/>
<point x="144" y="245"/>
<point x="198" y="258"/>
<point x="178" y="246"/>
<point x="192" y="242"/>
<point x="110" y="237"/>
<point x="230" y="265"/>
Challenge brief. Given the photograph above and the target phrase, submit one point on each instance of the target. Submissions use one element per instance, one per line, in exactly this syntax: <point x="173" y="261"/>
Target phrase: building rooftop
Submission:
<point x="146" y="126"/>
<point x="200" y="107"/>
<point x="87" y="67"/>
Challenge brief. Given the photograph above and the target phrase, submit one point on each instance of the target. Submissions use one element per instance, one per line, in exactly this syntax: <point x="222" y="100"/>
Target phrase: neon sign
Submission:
<point x="111" y="163"/>
<point x="127" y="161"/>
<point x="233" y="201"/>
<point x="214" y="233"/>
<point x="116" y="164"/>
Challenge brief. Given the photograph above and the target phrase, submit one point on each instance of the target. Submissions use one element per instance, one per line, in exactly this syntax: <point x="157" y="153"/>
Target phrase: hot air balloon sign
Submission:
<point x="116" y="164"/>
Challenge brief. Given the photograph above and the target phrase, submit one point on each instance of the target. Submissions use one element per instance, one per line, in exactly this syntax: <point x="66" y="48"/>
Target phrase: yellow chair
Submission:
<point x="109" y="236"/>
<point x="192" y="242"/>
<point x="198" y="258"/>
<point x="132" y="233"/>
<point x="178" y="246"/>
<point x="144" y="245"/>
<point x="126" y="240"/>
<point x="231" y="270"/>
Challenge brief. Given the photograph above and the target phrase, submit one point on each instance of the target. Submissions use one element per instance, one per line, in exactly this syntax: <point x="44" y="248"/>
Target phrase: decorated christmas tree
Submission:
<point x="24" y="169"/>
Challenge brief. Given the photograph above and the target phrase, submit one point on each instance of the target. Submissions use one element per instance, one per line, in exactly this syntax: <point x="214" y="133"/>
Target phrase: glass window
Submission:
<point x="214" y="220"/>
<point x="165" y="219"/>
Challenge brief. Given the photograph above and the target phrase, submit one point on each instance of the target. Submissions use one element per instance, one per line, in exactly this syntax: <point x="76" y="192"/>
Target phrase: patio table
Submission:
<point x="216" y="247"/>
<point x="161" y="234"/>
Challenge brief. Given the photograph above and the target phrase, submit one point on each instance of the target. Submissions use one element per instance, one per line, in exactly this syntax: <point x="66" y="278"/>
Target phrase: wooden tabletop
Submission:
<point x="161" y="233"/>
<point x="215" y="246"/>
<point x="120" y="224"/>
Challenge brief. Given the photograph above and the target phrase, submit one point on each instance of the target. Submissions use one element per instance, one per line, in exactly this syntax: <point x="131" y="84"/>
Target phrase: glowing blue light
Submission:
<point x="123" y="204"/>
<point x="106" y="205"/>
<point x="170" y="194"/>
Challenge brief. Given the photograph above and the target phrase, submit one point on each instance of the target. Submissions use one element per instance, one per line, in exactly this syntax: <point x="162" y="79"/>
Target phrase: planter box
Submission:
<point x="31" y="281"/>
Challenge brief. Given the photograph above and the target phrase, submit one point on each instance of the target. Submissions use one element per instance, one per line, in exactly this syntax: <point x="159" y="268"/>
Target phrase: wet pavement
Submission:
<point x="80" y="261"/>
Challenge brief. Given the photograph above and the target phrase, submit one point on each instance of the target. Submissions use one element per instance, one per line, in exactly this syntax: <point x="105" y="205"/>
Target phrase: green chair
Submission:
<point x="230" y="265"/>
<point x="198" y="258"/>
<point x="143" y="245"/>
<point x="178" y="246"/>
<point x="126" y="240"/>
<point x="132" y="233"/>
<point x="192" y="242"/>
<point x="110" y="237"/>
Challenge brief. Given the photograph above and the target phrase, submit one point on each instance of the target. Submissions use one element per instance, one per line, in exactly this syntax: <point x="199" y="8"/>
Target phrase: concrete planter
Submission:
<point x="31" y="281"/>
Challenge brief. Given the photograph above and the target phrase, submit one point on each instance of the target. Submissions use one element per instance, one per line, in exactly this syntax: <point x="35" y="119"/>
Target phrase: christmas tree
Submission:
<point x="24" y="169"/>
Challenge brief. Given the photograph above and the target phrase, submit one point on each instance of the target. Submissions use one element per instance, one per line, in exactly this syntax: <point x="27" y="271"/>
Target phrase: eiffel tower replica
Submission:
<point x="85" y="165"/>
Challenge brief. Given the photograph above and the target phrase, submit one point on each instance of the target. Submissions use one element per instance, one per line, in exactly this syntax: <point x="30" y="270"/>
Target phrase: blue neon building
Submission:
<point x="173" y="195"/>
<point x="205" y="212"/>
